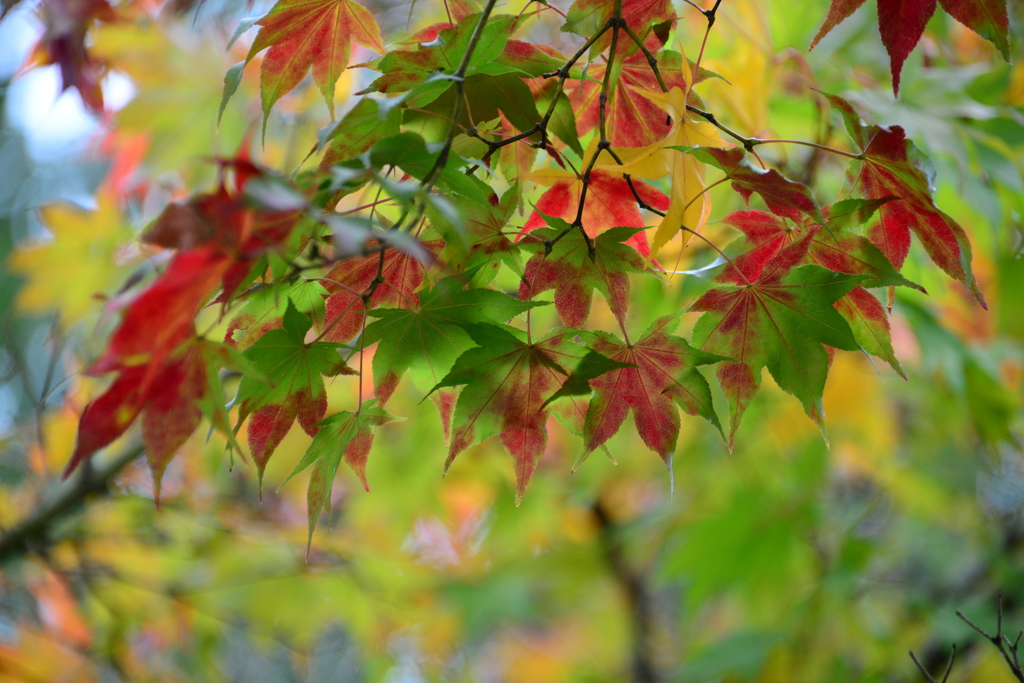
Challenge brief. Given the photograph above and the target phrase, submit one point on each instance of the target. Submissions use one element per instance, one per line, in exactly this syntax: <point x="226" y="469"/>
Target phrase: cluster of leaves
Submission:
<point x="307" y="280"/>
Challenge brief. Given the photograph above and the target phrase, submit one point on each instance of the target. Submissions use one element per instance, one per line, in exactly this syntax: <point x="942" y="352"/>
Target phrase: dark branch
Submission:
<point x="35" y="533"/>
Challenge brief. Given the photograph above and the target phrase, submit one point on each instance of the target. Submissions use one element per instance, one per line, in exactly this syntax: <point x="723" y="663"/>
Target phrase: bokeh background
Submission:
<point x="785" y="560"/>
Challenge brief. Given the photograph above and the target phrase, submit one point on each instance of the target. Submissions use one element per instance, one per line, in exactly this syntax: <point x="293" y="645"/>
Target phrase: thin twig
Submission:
<point x="949" y="666"/>
<point x="1007" y="649"/>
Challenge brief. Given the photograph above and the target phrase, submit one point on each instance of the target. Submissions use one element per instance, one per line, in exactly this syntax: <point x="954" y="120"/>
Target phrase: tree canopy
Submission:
<point x="293" y="225"/>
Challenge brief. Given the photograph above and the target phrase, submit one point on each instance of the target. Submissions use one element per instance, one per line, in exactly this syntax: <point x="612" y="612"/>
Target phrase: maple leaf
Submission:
<point x="892" y="166"/>
<point x="587" y="17"/>
<point x="66" y="23"/>
<point x="483" y="225"/>
<point x="160" y="319"/>
<point x="170" y="396"/>
<point x="366" y="123"/>
<point x="48" y="266"/>
<point x="427" y="70"/>
<point x="427" y="339"/>
<point x="509" y="382"/>
<point x="610" y="203"/>
<point x="264" y="309"/>
<point x="901" y="24"/>
<point x="663" y="370"/>
<point x="574" y="273"/>
<point x="781" y="195"/>
<point x="296" y="391"/>
<point x="345" y="436"/>
<point x="870" y="324"/>
<point x="781" y="321"/>
<point x="833" y="248"/>
<point x="310" y="33"/>
<point x="630" y="120"/>
<point x="689" y="205"/>
<point x="225" y="220"/>
<point x="349" y="279"/>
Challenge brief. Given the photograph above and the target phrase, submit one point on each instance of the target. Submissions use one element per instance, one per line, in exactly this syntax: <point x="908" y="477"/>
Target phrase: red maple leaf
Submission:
<point x="891" y="166"/>
<point x="171" y="396"/>
<point x="781" y="195"/>
<point x="349" y="279"/>
<point x="609" y="203"/>
<point x="163" y="372"/>
<point x="225" y="220"/>
<point x="310" y="33"/>
<point x="902" y="22"/>
<point x="664" y="372"/>
<point x="66" y="23"/>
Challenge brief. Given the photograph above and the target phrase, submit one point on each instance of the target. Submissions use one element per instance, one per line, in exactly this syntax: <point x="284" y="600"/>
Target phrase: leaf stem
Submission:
<point x="460" y="85"/>
<point x="815" y="145"/>
<point x="720" y="253"/>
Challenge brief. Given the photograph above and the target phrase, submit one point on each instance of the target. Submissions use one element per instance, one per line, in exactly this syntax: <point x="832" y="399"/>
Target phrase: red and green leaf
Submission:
<point x="482" y="234"/>
<point x="509" y="382"/>
<point x="832" y="248"/>
<point x="346" y="436"/>
<point x="782" y="321"/>
<point x="870" y="324"/>
<point x="574" y="273"/>
<point x="587" y="17"/>
<point x="347" y="281"/>
<point x="663" y="371"/>
<point x="892" y="167"/>
<point x="264" y="309"/>
<point x="296" y="392"/>
<point x="304" y="34"/>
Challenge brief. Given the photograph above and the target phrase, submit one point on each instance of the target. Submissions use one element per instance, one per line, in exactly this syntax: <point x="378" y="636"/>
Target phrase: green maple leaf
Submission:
<point x="426" y="72"/>
<point x="426" y="340"/>
<point x="344" y="436"/>
<point x="296" y="388"/>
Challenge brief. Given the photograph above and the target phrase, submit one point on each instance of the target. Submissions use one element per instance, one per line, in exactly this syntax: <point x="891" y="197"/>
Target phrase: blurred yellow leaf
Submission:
<point x="79" y="263"/>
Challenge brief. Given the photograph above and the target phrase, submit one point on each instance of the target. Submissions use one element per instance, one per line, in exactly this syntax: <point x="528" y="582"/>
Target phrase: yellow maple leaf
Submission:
<point x="79" y="262"/>
<point x="689" y="205"/>
<point x="749" y="65"/>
